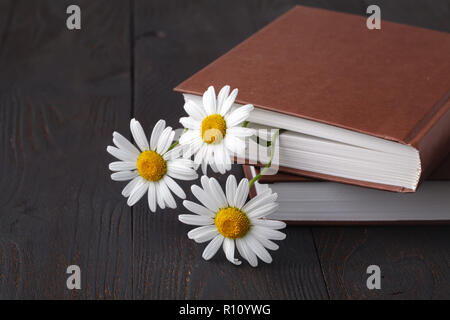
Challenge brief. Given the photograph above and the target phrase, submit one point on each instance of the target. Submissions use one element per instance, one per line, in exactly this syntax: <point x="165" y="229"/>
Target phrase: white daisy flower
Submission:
<point x="151" y="169"/>
<point x="226" y="220"/>
<point x="215" y="132"/>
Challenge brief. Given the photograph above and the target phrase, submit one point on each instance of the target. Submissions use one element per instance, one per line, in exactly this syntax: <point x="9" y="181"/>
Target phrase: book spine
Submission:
<point x="431" y="137"/>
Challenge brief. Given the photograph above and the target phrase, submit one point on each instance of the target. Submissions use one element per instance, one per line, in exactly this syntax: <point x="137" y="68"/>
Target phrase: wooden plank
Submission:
<point x="62" y="95"/>
<point x="173" y="40"/>
<point x="414" y="261"/>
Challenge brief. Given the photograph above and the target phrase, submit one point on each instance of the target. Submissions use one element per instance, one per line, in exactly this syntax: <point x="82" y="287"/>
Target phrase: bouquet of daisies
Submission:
<point x="213" y="133"/>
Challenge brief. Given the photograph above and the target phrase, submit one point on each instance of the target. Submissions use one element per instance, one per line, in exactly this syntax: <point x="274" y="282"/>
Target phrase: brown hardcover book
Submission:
<point x="307" y="201"/>
<point x="344" y="88"/>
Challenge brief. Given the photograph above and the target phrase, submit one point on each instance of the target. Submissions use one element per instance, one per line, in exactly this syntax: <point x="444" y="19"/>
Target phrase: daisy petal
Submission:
<point x="157" y="130"/>
<point x="246" y="252"/>
<point x="184" y="177"/>
<point x="152" y="197"/>
<point x="173" y="154"/>
<point x="165" y="140"/>
<point x="189" y="136"/>
<point x="130" y="186"/>
<point x="174" y="187"/>
<point x="258" y="249"/>
<point x="177" y="167"/>
<point x="122" y="154"/>
<point x="223" y="95"/>
<point x="193" y="147"/>
<point x="260" y="200"/>
<point x="213" y="167"/>
<point x="204" y="180"/>
<point x="228" y="102"/>
<point x="227" y="159"/>
<point x="195" y="220"/>
<point x="205" y="168"/>
<point x="241" y="194"/>
<point x="180" y="162"/>
<point x="204" y="198"/>
<point x="269" y="233"/>
<point x="168" y="197"/>
<point x="263" y="211"/>
<point x="122" y="166"/>
<point x="194" y="111"/>
<point x="239" y="115"/>
<point x="208" y="159"/>
<point x="212" y="248"/>
<point x="190" y="123"/>
<point x="201" y="154"/>
<point x="137" y="193"/>
<point x="215" y="188"/>
<point x="206" y="187"/>
<point x="209" y="101"/>
<point x="234" y="144"/>
<point x="231" y="190"/>
<point x="160" y="196"/>
<point x="219" y="158"/>
<point x="228" y="248"/>
<point x="272" y="224"/>
<point x="168" y="143"/>
<point x="241" y="132"/>
<point x="241" y="250"/>
<point x="203" y="234"/>
<point x="122" y="143"/>
<point x="124" y="175"/>
<point x="198" y="209"/>
<point x="139" y="135"/>
<point x="264" y="241"/>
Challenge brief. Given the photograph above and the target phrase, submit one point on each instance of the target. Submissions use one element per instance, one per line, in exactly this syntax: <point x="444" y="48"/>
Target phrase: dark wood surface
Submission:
<point x="63" y="93"/>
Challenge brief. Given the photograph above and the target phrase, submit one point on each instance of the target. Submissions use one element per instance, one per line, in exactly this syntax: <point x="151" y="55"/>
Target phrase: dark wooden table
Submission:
<point x="63" y="93"/>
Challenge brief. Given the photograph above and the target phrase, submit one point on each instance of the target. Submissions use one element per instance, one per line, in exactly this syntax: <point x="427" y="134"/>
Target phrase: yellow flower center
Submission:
<point x="151" y="166"/>
<point x="232" y="223"/>
<point x="214" y="128"/>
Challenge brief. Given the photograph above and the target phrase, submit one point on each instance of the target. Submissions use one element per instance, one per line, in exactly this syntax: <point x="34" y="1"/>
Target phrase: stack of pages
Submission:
<point x="308" y="201"/>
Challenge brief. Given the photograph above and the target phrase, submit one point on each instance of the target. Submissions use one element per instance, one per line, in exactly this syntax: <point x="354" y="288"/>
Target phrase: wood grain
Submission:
<point x="62" y="94"/>
<point x="414" y="261"/>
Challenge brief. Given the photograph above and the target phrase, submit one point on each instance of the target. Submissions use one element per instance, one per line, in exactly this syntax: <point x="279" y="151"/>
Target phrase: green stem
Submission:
<point x="174" y="145"/>
<point x="176" y="142"/>
<point x="272" y="153"/>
